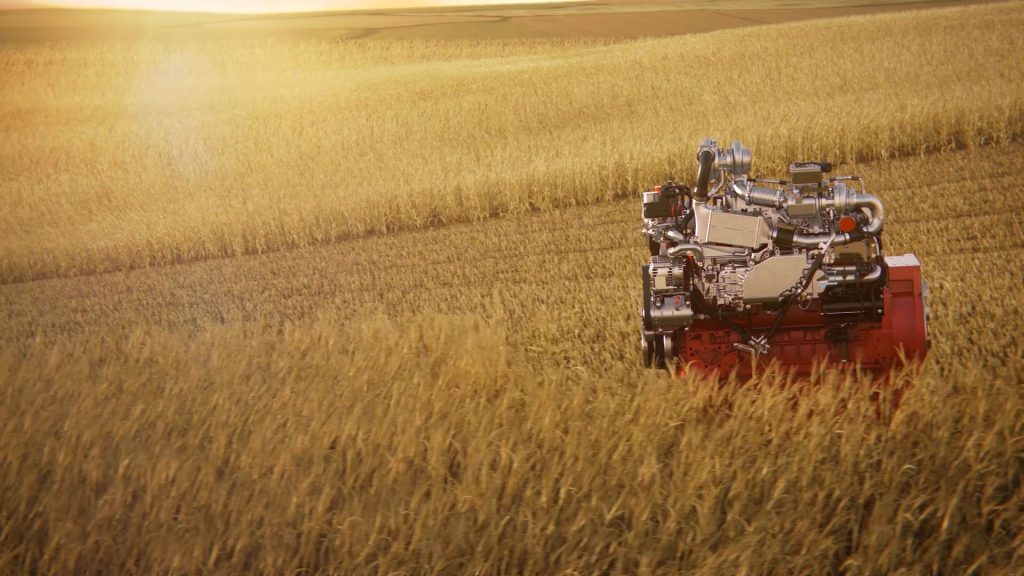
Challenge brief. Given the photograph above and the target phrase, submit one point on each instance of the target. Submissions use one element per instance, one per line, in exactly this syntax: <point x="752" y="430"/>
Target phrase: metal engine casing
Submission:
<point x="748" y="253"/>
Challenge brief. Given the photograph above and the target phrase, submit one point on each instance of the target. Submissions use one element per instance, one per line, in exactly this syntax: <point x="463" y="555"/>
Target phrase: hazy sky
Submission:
<point x="254" y="5"/>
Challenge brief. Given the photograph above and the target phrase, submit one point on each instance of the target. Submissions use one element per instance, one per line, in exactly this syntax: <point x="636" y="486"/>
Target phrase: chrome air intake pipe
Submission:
<point x="760" y="196"/>
<point x="844" y="199"/>
<point x="684" y="246"/>
<point x="851" y="274"/>
<point x="695" y="250"/>
<point x="874" y="204"/>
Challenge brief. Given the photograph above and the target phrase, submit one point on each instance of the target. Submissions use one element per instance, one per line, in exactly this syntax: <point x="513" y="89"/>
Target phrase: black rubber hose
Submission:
<point x="686" y="221"/>
<point x="705" y="161"/>
<point x="703" y="307"/>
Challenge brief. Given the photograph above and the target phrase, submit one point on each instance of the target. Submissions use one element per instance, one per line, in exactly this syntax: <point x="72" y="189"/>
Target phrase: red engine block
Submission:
<point x="807" y="336"/>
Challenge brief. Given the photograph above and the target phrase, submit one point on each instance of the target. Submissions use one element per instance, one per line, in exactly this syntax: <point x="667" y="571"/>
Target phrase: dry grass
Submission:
<point x="311" y="451"/>
<point x="121" y="156"/>
<point x="467" y="400"/>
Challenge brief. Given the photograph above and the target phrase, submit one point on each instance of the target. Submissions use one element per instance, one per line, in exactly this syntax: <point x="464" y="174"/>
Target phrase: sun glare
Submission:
<point x="265" y="6"/>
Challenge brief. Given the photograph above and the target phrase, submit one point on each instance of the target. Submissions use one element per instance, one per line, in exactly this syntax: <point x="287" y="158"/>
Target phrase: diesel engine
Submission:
<point x="791" y="269"/>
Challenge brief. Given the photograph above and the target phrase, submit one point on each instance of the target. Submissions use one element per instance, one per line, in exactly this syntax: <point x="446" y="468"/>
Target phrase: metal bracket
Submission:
<point x="756" y="346"/>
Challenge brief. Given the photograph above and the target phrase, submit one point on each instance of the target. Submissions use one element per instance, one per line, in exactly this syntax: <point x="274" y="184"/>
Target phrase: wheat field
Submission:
<point x="119" y="156"/>
<point x="468" y="400"/>
<point x="235" y="340"/>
